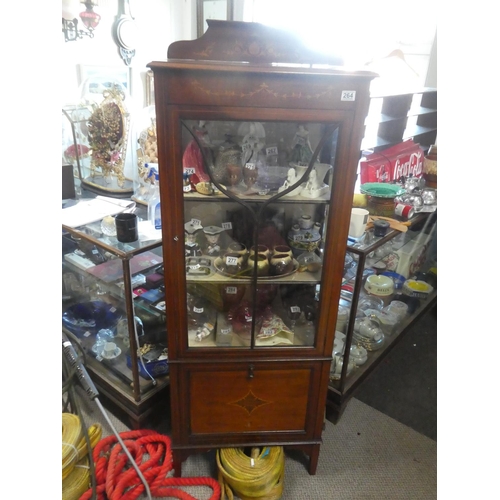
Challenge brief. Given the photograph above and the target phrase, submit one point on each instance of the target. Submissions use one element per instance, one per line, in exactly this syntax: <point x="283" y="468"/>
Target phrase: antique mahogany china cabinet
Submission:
<point x="258" y="145"/>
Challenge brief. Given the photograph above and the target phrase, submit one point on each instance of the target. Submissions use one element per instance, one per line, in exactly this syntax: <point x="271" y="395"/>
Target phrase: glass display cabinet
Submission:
<point x="389" y="281"/>
<point x="112" y="296"/>
<point x="258" y="145"/>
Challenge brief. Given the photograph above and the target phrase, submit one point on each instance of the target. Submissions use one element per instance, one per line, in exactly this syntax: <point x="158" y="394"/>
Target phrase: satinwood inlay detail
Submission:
<point x="250" y="402"/>
<point x="263" y="88"/>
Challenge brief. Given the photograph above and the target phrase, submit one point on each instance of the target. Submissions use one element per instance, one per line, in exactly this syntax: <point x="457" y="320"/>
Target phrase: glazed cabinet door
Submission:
<point x="257" y="208"/>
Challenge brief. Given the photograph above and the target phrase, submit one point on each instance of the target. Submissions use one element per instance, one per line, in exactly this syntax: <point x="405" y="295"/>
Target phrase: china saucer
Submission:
<point x="110" y="356"/>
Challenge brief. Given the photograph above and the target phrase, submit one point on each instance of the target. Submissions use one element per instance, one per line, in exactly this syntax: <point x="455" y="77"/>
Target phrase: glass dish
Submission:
<point x="398" y="279"/>
<point x="272" y="178"/>
<point x="380" y="285"/>
<point x="369" y="344"/>
<point x="369" y="302"/>
<point x="90" y="317"/>
<point x="382" y="189"/>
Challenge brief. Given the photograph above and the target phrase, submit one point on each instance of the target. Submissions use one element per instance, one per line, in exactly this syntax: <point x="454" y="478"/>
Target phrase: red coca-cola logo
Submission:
<point x="383" y="174"/>
<point x="413" y="165"/>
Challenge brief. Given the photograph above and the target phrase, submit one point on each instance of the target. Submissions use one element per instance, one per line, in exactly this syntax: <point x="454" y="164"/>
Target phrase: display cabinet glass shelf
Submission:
<point x="261" y="140"/>
<point x="372" y="320"/>
<point x="111" y="307"/>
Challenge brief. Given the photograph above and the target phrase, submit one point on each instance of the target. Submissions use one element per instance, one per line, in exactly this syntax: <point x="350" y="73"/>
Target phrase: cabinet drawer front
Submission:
<point x="246" y="400"/>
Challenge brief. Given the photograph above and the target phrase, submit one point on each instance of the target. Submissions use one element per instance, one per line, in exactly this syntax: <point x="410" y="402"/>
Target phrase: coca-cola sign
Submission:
<point x="413" y="166"/>
<point x="401" y="160"/>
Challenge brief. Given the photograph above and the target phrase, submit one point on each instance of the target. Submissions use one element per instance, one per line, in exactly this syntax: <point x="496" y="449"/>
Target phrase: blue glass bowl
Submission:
<point x="91" y="317"/>
<point x="397" y="278"/>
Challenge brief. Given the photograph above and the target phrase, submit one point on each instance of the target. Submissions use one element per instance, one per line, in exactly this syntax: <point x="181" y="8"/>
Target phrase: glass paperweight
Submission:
<point x="309" y="261"/>
<point x="108" y="226"/>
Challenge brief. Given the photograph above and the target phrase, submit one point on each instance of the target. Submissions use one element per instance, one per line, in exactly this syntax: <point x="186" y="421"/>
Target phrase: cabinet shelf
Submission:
<point x="383" y="118"/>
<point x="306" y="278"/>
<point x="421" y="111"/>
<point x="324" y="199"/>
<point x="396" y="117"/>
<point x="418" y="130"/>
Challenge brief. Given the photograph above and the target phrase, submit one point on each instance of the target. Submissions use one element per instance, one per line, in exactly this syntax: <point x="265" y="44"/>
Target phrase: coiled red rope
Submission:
<point x="117" y="479"/>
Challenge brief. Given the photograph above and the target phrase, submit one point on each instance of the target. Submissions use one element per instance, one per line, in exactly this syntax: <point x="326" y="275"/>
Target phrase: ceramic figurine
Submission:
<point x="251" y="145"/>
<point x="312" y="182"/>
<point x="229" y="153"/>
<point x="191" y="234"/>
<point x="187" y="185"/>
<point x="192" y="159"/>
<point x="212" y="234"/>
<point x="290" y="181"/>
<point x="315" y="187"/>
<point x="301" y="147"/>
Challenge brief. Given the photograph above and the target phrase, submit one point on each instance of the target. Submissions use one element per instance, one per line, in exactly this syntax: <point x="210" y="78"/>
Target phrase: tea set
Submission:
<point x="238" y="261"/>
<point x="209" y="248"/>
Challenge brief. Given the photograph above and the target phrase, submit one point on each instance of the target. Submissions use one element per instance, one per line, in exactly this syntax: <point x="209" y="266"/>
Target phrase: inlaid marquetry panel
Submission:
<point x="231" y="401"/>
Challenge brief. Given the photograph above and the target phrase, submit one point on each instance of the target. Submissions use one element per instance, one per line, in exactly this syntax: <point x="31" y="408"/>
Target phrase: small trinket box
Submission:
<point x="153" y="295"/>
<point x="154" y="280"/>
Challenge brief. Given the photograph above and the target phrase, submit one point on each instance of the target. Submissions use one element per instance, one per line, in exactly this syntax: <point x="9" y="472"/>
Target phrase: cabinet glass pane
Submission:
<point x="104" y="283"/>
<point x="256" y="197"/>
<point x="375" y="304"/>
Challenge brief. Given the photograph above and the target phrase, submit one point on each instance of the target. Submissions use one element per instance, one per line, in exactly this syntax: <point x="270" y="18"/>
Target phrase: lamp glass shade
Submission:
<point x="90" y="19"/>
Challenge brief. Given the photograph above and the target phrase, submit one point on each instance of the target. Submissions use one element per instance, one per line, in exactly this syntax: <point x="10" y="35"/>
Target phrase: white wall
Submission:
<point x="431" y="78"/>
<point x="159" y="23"/>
